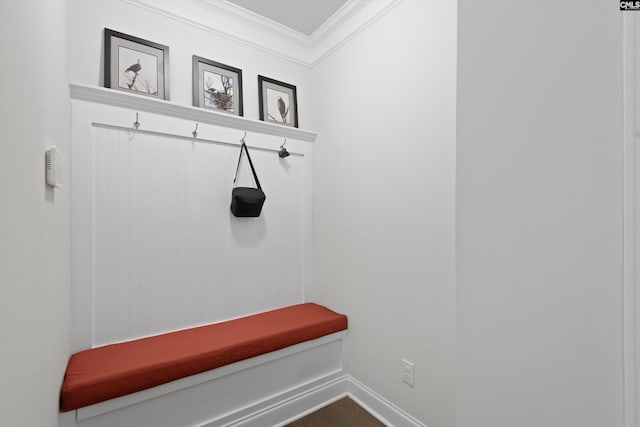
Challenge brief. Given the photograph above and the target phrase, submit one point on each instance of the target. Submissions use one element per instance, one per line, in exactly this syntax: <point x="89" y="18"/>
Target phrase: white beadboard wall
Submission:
<point x="155" y="246"/>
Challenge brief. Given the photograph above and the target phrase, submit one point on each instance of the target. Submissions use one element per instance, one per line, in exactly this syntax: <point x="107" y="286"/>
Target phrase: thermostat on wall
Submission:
<point x="54" y="167"/>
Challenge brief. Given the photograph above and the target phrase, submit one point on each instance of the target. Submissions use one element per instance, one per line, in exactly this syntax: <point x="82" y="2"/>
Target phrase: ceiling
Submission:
<point x="304" y="16"/>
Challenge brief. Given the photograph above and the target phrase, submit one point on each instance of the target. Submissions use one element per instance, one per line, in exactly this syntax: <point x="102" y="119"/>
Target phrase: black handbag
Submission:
<point x="247" y="201"/>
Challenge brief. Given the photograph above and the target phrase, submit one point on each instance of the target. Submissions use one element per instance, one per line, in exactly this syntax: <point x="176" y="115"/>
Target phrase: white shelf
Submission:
<point x="142" y="103"/>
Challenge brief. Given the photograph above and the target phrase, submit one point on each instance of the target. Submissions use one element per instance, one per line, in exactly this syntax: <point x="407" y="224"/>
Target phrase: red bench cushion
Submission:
<point x="115" y="370"/>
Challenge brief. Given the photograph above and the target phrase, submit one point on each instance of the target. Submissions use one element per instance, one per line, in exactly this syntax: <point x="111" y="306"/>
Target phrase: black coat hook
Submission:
<point x="283" y="151"/>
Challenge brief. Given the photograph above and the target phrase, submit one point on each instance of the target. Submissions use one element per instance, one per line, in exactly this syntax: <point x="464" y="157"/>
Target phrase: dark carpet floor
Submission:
<point x="342" y="413"/>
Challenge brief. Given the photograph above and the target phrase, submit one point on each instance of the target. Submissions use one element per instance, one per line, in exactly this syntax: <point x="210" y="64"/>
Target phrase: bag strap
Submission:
<point x="255" y="176"/>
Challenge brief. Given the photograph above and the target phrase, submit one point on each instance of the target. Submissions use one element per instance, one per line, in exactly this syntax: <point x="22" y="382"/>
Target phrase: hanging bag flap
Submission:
<point x="247" y="201"/>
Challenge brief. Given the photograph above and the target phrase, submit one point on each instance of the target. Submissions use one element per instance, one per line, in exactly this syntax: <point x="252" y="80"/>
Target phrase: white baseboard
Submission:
<point x="291" y="409"/>
<point x="311" y="400"/>
<point x="380" y="407"/>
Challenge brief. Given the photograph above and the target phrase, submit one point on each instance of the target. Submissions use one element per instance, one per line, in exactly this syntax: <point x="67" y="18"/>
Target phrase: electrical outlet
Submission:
<point x="408" y="373"/>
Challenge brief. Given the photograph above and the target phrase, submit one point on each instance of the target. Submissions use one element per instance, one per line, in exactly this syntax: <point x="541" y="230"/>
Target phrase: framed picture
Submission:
<point x="278" y="102"/>
<point x="217" y="86"/>
<point x="135" y="65"/>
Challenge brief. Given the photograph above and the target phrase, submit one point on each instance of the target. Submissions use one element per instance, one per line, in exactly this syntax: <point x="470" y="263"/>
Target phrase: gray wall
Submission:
<point x="539" y="214"/>
<point x="384" y="202"/>
<point x="34" y="220"/>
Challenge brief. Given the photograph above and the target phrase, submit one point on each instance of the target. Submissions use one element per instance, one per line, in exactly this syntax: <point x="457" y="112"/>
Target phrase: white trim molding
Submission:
<point x="631" y="226"/>
<point x="345" y="386"/>
<point x="239" y="24"/>
<point x="380" y="407"/>
<point x="140" y="103"/>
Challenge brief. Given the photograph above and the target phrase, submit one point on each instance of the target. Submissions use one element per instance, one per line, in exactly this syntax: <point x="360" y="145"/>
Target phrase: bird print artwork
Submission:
<point x="218" y="92"/>
<point x="138" y="71"/>
<point x="278" y="102"/>
<point x="282" y="108"/>
<point x="278" y="108"/>
<point x="135" y="69"/>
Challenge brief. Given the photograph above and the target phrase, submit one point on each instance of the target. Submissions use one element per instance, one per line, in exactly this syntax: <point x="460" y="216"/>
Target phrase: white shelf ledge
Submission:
<point x="142" y="103"/>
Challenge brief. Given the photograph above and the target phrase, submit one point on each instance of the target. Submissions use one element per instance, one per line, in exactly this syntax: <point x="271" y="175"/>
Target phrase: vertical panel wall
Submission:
<point x="156" y="247"/>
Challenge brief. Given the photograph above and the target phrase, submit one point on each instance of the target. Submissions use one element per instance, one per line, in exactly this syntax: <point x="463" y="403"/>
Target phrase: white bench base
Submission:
<point x="225" y="396"/>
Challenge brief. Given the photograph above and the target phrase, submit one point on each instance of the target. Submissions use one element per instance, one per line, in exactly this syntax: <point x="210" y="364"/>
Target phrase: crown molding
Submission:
<point x="340" y="17"/>
<point x="241" y="25"/>
<point x="346" y="23"/>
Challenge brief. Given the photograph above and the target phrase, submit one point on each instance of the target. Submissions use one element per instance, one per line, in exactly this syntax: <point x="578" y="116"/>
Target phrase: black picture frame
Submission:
<point x="278" y="102"/>
<point x="217" y="86"/>
<point x="135" y="65"/>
